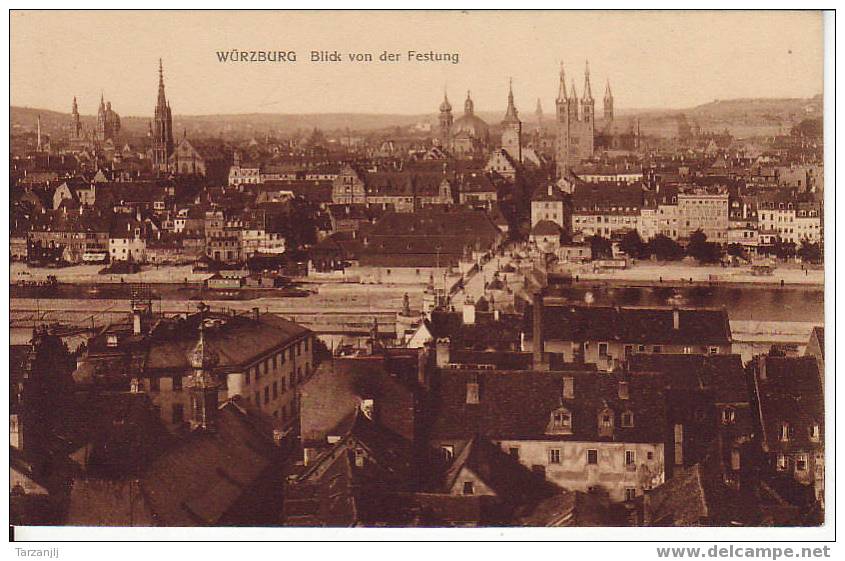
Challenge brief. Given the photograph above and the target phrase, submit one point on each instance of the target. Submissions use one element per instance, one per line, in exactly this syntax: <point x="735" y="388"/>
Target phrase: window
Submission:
<point x="258" y="399"/>
<point x="630" y="493"/>
<point x="627" y="419"/>
<point x="554" y="456"/>
<point x="801" y="462"/>
<point x="561" y="420"/>
<point x="649" y="455"/>
<point x="469" y="488"/>
<point x="657" y="349"/>
<point x="447" y="451"/>
<point x="602" y="349"/>
<point x="641" y="348"/>
<point x="177" y="383"/>
<point x="568" y="387"/>
<point x="815" y="432"/>
<point x="606" y="422"/>
<point x="266" y="395"/>
<point x="514" y="452"/>
<point x="284" y="384"/>
<point x="687" y="350"/>
<point x="282" y="355"/>
<point x="782" y="463"/>
<point x="592" y="457"/>
<point x="275" y="363"/>
<point x="728" y="415"/>
<point x="275" y="390"/>
<point x="623" y="390"/>
<point x="630" y="457"/>
<point x="714" y="350"/>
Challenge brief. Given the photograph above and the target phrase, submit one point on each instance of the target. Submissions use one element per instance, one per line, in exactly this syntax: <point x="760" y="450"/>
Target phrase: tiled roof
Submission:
<point x="632" y="325"/>
<point x="789" y="392"/>
<point x="518" y="405"/>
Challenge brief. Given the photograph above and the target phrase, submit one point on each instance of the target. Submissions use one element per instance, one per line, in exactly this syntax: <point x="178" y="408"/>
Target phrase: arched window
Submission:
<point x="605" y="422"/>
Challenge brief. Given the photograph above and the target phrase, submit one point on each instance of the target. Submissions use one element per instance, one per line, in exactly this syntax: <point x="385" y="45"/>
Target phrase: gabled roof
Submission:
<point x="788" y="389"/>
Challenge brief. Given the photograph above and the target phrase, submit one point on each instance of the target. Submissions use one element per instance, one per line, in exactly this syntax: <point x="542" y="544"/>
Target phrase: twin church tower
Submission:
<point x="575" y="125"/>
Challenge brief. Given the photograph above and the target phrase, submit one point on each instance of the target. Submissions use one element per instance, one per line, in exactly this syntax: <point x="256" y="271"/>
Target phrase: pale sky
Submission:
<point x="653" y="60"/>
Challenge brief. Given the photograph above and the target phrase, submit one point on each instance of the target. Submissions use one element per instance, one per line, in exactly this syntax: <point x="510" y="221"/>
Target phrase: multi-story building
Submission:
<point x="262" y="358"/>
<point x="606" y="336"/>
<point x="548" y="204"/>
<point x="705" y="210"/>
<point x="582" y="431"/>
<point x="601" y="211"/>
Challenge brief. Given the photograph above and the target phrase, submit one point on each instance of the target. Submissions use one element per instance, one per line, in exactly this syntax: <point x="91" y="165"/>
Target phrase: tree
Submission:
<point x="664" y="248"/>
<point x="702" y="250"/>
<point x="632" y="244"/>
<point x="600" y="247"/>
<point x="736" y="250"/>
<point x="810" y="252"/>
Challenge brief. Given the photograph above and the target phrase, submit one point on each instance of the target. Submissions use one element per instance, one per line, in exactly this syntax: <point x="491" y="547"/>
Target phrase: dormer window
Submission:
<point x="560" y="422"/>
<point x="627" y="419"/>
<point x="784" y="432"/>
<point x="728" y="415"/>
<point x="605" y="421"/>
<point x="815" y="432"/>
<point x="111" y="341"/>
<point x="623" y="390"/>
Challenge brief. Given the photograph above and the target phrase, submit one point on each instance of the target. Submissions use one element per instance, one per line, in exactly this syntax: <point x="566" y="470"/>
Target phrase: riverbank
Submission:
<point x="657" y="274"/>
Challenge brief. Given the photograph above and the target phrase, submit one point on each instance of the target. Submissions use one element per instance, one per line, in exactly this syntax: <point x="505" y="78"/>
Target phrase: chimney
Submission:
<point x="422" y="367"/>
<point x="256" y="314"/>
<point x="761" y="367"/>
<point x="136" y="322"/>
<point x="442" y="352"/>
<point x="472" y="391"/>
<point x="676" y="319"/>
<point x="538" y="342"/>
<point x="469" y="312"/>
<point x="568" y="387"/>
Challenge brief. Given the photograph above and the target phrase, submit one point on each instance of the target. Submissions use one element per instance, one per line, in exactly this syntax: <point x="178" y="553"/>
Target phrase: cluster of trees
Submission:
<point x="666" y="249"/>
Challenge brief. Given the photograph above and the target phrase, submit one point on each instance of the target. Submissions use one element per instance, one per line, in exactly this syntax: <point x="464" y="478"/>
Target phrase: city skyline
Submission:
<point x="644" y="80"/>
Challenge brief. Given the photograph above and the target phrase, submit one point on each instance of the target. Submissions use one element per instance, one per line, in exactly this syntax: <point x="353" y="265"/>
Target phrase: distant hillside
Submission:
<point x="742" y="117"/>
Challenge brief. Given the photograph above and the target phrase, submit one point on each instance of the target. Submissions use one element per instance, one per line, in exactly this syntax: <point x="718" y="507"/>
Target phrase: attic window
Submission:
<point x="728" y="415"/>
<point x="469" y="488"/>
<point x="815" y="432"/>
<point x="605" y="421"/>
<point x="627" y="419"/>
<point x="111" y="341"/>
<point x="784" y="432"/>
<point x="560" y="421"/>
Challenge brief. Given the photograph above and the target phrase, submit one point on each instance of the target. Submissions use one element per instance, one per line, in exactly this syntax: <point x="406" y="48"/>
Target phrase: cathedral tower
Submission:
<point x="76" y="132"/>
<point x="608" y="103"/>
<point x="162" y="127"/>
<point x="512" y="129"/>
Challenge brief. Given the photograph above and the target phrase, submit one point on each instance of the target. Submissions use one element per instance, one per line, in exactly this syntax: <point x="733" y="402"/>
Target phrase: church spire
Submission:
<point x="561" y="94"/>
<point x="588" y="92"/>
<point x="607" y="93"/>
<point x="511" y="115"/>
<point x="469" y="106"/>
<point x="162" y="100"/>
<point x="573" y="95"/>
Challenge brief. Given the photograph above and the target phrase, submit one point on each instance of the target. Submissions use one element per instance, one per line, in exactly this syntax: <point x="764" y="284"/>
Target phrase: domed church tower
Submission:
<point x="202" y="384"/>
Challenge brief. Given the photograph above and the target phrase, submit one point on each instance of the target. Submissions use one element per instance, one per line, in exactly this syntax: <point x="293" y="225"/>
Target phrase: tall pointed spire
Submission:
<point x="511" y="115"/>
<point x="607" y="92"/>
<point x="588" y="92"/>
<point x="561" y="94"/>
<point x="573" y="95"/>
<point x="162" y="100"/>
<point x="39" y="133"/>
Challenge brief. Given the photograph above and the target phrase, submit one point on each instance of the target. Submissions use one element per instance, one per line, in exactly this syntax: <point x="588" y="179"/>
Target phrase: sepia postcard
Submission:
<point x="272" y="271"/>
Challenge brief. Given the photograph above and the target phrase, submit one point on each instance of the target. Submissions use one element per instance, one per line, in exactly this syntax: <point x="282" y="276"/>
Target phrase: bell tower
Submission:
<point x="162" y="127"/>
<point x="512" y="129"/>
<point x="445" y="120"/>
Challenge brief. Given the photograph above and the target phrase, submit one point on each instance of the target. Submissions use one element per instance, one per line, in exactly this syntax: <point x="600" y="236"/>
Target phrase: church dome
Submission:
<point x="470" y="125"/>
<point x="445" y="106"/>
